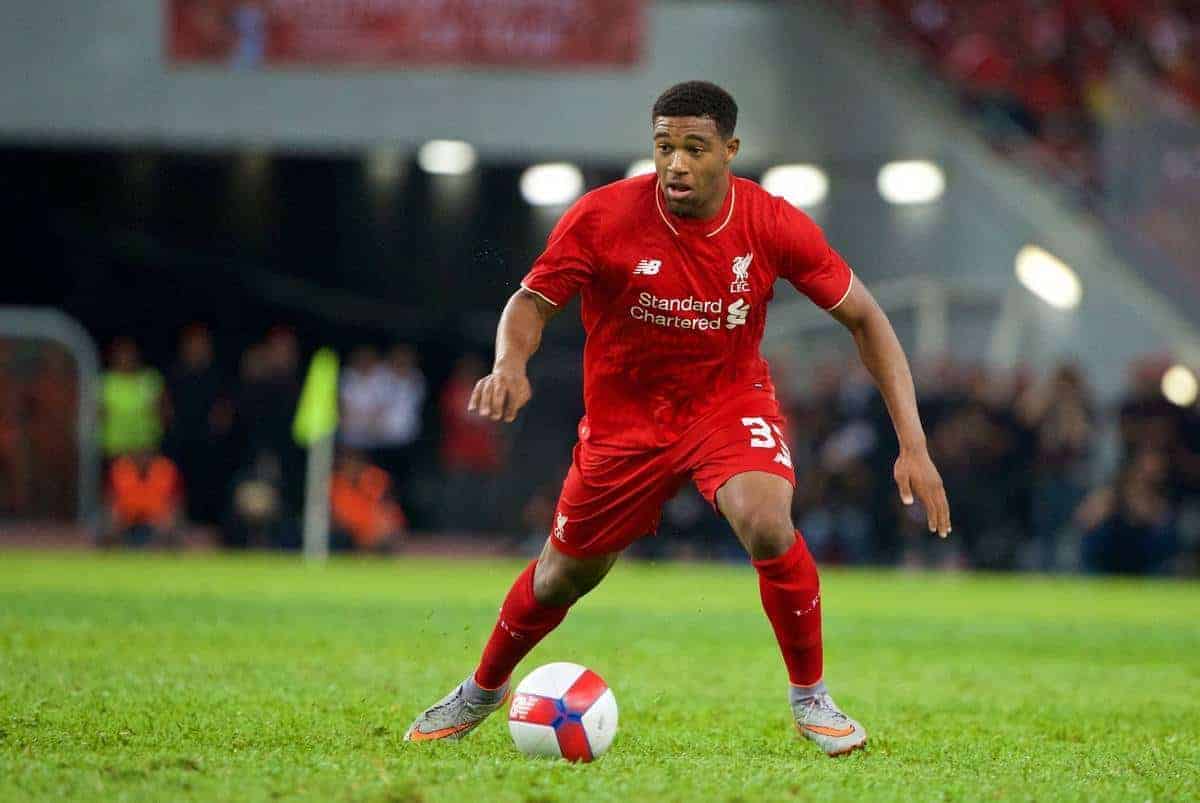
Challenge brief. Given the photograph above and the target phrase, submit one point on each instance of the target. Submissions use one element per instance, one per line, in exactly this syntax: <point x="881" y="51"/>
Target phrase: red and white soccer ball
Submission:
<point x="563" y="710"/>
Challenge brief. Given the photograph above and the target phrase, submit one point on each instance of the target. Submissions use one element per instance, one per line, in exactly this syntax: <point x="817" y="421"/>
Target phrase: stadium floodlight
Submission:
<point x="551" y="184"/>
<point x="447" y="157"/>
<point x="911" y="182"/>
<point x="640" y="168"/>
<point x="799" y="184"/>
<point x="1048" y="277"/>
<point x="1180" y="387"/>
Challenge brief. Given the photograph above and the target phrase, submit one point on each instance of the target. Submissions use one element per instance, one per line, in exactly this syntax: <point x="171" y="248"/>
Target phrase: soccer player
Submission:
<point x="675" y="271"/>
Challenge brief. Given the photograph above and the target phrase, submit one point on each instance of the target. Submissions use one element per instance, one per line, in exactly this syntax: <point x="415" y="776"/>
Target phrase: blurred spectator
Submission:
<point x="472" y="453"/>
<point x="1147" y="419"/>
<point x="362" y="512"/>
<point x="268" y="393"/>
<point x="132" y="402"/>
<point x="1059" y="413"/>
<point x="381" y="404"/>
<point x="1129" y="527"/>
<point x="537" y="518"/>
<point x="257" y="517"/>
<point x="200" y="421"/>
<point x="144" y="501"/>
<point x="402" y="387"/>
<point x="361" y="398"/>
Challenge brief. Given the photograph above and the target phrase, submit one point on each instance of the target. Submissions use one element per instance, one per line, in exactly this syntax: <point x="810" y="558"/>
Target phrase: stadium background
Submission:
<point x="202" y="196"/>
<point x="182" y="177"/>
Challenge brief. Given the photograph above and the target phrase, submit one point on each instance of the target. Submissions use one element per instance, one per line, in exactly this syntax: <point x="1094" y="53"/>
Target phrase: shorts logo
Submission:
<point x="741" y="273"/>
<point x="560" y="527"/>
<point x="738" y="311"/>
<point x="647" y="267"/>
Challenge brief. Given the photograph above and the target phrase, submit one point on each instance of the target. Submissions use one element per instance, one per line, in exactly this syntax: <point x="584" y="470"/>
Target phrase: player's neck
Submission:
<point x="717" y="202"/>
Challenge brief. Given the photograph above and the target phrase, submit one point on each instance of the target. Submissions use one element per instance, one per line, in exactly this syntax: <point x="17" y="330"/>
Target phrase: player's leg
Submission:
<point x="606" y="504"/>
<point x="536" y="604"/>
<point x="758" y="505"/>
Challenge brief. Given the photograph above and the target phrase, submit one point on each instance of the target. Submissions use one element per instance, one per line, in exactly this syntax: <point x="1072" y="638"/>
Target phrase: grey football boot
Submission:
<point x="458" y="713"/>
<point x="819" y="720"/>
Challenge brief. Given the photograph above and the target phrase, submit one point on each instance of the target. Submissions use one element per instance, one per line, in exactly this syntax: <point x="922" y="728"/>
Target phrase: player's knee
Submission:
<point x="765" y="530"/>
<point x="559" y="581"/>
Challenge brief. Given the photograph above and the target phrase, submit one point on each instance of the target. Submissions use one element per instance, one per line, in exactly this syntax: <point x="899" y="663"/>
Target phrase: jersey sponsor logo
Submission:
<point x="651" y="308"/>
<point x="560" y="527"/>
<point x="647" y="267"/>
<point x="741" y="273"/>
<point x="738" y="311"/>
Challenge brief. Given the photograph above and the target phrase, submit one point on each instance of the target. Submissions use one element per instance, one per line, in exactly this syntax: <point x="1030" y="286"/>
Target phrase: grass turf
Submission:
<point x="143" y="677"/>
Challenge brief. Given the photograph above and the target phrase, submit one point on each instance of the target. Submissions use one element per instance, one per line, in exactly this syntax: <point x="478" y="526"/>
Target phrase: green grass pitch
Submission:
<point x="150" y="677"/>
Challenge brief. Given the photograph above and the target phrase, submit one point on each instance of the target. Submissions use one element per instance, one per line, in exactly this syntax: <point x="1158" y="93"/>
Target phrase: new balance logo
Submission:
<point x="560" y="527"/>
<point x="741" y="273"/>
<point x="647" y="267"/>
<point x="738" y="311"/>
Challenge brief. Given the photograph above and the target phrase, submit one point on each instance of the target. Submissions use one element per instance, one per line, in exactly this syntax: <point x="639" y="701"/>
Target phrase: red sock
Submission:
<point x="523" y="623"/>
<point x="791" y="596"/>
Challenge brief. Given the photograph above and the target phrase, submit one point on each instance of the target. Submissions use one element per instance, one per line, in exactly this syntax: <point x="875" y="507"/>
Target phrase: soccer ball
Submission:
<point x="563" y="710"/>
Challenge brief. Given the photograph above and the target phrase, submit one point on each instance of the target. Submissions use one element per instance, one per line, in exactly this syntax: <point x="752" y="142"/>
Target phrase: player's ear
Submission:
<point x="732" y="145"/>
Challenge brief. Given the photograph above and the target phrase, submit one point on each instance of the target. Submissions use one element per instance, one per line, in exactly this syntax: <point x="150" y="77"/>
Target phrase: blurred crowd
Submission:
<point x="1048" y="68"/>
<point x="190" y="444"/>
<point x="1040" y="476"/>
<point x="1021" y="459"/>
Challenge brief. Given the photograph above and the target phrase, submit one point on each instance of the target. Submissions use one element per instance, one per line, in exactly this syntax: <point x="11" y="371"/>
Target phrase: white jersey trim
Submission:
<point x="529" y="289"/>
<point x="845" y="295"/>
<point x="729" y="217"/>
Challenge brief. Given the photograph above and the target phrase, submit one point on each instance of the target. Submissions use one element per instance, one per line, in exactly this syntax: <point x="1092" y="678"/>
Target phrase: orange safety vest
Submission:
<point x="149" y="498"/>
<point x="360" y="506"/>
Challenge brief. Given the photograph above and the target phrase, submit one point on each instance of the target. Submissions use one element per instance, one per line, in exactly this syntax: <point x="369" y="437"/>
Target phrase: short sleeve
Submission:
<point x="806" y="259"/>
<point x="567" y="263"/>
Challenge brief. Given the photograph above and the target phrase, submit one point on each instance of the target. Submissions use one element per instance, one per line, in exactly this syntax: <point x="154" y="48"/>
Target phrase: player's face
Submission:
<point x="692" y="161"/>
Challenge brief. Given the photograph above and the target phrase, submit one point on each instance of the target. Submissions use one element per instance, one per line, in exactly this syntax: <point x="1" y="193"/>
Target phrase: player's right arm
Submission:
<point x="503" y="392"/>
<point x="562" y="270"/>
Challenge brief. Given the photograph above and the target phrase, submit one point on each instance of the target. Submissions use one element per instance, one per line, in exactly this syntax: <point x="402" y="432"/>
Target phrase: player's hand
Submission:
<point x="500" y="394"/>
<point x="917" y="476"/>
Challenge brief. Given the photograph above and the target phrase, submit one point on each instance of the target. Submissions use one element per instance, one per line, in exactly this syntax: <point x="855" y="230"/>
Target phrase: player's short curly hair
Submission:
<point x="698" y="99"/>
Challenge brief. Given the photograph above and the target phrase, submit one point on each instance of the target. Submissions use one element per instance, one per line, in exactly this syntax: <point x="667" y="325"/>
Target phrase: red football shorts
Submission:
<point x="610" y="501"/>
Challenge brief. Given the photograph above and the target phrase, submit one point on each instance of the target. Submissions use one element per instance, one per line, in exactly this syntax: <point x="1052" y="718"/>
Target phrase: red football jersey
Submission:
<point x="674" y="308"/>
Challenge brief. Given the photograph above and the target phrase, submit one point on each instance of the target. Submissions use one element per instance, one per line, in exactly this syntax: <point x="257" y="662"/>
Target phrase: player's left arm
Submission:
<point x="883" y="356"/>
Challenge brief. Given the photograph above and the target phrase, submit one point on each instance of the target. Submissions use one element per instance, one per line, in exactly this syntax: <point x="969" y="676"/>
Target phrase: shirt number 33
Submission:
<point x="768" y="436"/>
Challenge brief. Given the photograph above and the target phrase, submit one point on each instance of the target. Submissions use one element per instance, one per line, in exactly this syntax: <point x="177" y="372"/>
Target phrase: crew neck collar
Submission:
<point x="708" y="227"/>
